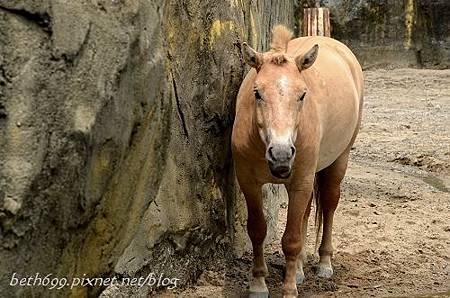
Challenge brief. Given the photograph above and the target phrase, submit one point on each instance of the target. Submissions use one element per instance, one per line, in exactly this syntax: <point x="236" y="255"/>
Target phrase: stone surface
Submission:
<point x="391" y="33"/>
<point x="115" y="119"/>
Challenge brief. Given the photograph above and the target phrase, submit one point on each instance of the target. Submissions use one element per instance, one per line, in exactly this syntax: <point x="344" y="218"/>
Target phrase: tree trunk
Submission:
<point x="316" y="22"/>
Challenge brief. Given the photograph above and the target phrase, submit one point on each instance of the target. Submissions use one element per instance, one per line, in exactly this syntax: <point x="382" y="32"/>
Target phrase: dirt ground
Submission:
<point x="392" y="227"/>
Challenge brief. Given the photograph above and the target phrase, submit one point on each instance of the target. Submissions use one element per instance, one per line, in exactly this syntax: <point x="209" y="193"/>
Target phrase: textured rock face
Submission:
<point x="392" y="33"/>
<point x="433" y="41"/>
<point x="115" y="119"/>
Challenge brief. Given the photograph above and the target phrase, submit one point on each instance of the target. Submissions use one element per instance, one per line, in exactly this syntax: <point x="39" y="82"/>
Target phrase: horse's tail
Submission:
<point x="319" y="213"/>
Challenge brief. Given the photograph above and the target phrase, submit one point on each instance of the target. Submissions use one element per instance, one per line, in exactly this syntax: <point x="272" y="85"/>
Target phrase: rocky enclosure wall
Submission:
<point x="393" y="33"/>
<point x="115" y="120"/>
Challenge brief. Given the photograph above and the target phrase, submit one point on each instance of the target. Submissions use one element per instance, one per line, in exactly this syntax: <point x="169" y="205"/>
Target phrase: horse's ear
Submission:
<point x="251" y="57"/>
<point x="305" y="61"/>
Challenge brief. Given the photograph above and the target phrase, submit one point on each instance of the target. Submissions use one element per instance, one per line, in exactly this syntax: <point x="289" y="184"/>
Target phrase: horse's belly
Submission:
<point x="337" y="136"/>
<point x="329" y="155"/>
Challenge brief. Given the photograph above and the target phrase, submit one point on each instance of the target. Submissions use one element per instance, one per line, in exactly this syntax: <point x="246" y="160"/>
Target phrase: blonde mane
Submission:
<point x="280" y="38"/>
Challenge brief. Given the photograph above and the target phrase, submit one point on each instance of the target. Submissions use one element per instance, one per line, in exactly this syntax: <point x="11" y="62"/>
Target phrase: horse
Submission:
<point x="298" y="111"/>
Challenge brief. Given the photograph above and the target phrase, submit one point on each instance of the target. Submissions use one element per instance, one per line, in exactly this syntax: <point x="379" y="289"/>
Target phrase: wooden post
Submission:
<point x="316" y="22"/>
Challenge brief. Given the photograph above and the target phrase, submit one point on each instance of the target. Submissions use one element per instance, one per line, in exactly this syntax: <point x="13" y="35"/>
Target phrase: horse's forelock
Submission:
<point x="278" y="58"/>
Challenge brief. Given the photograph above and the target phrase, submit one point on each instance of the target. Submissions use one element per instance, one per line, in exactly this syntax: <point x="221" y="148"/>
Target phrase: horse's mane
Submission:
<point x="280" y="38"/>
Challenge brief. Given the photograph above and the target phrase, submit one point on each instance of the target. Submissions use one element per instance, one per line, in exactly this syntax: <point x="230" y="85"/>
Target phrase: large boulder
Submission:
<point x="115" y="121"/>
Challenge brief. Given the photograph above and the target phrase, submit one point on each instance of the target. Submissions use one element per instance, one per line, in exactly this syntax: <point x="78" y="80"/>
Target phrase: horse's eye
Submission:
<point x="302" y="97"/>
<point x="258" y="96"/>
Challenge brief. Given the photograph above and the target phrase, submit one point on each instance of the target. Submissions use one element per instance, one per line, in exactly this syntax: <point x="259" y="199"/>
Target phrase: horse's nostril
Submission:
<point x="271" y="154"/>
<point x="292" y="150"/>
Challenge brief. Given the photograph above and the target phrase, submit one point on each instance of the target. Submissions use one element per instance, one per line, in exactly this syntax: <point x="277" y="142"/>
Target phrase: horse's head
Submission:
<point x="279" y="94"/>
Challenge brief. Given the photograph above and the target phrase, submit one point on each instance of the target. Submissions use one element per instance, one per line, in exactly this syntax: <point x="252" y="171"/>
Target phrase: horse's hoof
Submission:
<point x="299" y="278"/>
<point x="324" y="271"/>
<point x="258" y="295"/>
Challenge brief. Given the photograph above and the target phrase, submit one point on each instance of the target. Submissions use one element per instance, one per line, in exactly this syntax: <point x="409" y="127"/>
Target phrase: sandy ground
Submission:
<point x="392" y="227"/>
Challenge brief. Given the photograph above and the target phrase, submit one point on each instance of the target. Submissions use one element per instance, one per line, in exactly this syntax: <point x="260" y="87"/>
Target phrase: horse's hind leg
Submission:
<point x="256" y="228"/>
<point x="329" y="180"/>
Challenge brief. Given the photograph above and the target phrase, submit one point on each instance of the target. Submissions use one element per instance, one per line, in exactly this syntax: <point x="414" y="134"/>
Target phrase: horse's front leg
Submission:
<point x="303" y="255"/>
<point x="256" y="228"/>
<point x="293" y="240"/>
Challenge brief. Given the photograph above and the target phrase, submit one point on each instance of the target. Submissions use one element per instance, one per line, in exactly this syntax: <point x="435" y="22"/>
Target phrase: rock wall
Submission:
<point x="115" y="121"/>
<point x="393" y="33"/>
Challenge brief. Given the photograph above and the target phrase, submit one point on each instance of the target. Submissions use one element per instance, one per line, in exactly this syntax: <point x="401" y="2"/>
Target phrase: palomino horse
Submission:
<point x="297" y="115"/>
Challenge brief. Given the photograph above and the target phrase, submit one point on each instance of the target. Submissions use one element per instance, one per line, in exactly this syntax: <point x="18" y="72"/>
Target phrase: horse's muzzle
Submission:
<point x="281" y="172"/>
<point x="280" y="159"/>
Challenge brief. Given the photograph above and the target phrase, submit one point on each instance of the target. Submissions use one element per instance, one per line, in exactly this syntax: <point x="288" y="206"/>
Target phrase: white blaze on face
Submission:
<point x="282" y="85"/>
<point x="283" y="136"/>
